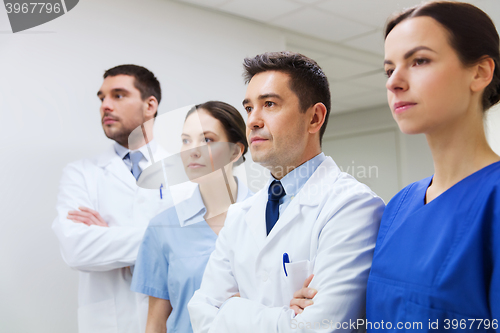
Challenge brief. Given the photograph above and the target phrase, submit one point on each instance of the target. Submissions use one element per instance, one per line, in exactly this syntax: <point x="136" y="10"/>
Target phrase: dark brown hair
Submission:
<point x="471" y="33"/>
<point x="144" y="80"/>
<point x="231" y="120"/>
<point x="307" y="79"/>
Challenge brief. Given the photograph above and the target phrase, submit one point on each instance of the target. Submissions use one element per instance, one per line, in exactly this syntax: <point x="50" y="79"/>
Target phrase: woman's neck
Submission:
<point x="214" y="192"/>
<point x="458" y="150"/>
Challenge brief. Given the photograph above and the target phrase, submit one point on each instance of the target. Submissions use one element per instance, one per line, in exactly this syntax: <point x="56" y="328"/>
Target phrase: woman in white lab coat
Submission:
<point x="179" y="241"/>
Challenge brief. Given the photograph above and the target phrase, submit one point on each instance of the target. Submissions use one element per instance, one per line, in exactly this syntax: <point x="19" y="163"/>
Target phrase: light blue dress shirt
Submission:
<point x="122" y="152"/>
<point x="173" y="255"/>
<point x="296" y="179"/>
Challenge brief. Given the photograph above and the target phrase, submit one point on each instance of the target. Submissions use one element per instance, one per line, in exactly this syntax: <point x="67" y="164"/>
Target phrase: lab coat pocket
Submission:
<point x="297" y="273"/>
<point x="98" y="318"/>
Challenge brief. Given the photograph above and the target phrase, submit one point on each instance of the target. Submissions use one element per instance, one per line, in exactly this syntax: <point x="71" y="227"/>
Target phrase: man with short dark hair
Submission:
<point x="103" y="214"/>
<point x="310" y="218"/>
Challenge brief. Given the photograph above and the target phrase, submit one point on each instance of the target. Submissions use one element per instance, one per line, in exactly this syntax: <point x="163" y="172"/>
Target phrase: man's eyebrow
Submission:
<point x="120" y="90"/>
<point x="270" y="95"/>
<point x="115" y="90"/>
<point x="410" y="53"/>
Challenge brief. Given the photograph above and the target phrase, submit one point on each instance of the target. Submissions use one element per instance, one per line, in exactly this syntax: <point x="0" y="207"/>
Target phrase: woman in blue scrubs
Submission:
<point x="436" y="265"/>
<point x="178" y="242"/>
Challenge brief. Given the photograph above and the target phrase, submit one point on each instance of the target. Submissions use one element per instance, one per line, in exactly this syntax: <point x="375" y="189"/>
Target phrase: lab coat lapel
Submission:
<point x="290" y="214"/>
<point x="255" y="217"/>
<point x="112" y="163"/>
<point x="309" y="195"/>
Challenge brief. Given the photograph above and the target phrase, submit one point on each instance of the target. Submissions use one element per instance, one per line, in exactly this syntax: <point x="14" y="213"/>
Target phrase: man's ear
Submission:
<point x="151" y="107"/>
<point x="483" y="74"/>
<point x="318" y="117"/>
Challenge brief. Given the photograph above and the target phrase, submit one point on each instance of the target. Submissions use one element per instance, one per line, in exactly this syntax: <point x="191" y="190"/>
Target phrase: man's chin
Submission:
<point x="116" y="135"/>
<point x="260" y="158"/>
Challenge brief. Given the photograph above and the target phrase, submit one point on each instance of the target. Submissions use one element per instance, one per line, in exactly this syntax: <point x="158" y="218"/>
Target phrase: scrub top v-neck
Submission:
<point x="439" y="261"/>
<point x="174" y="253"/>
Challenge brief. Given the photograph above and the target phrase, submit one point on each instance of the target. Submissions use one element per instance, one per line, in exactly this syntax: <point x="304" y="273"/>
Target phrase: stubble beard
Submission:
<point x="120" y="135"/>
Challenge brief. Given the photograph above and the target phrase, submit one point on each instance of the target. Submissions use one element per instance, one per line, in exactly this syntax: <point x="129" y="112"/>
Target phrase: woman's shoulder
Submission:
<point x="491" y="175"/>
<point x="167" y="217"/>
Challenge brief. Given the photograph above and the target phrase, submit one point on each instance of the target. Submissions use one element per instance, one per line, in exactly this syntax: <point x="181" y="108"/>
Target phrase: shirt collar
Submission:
<point x="192" y="210"/>
<point x="122" y="151"/>
<point x="296" y="179"/>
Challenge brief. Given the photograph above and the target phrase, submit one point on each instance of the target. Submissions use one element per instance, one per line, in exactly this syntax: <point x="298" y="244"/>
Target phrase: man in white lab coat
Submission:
<point x="103" y="214"/>
<point x="310" y="218"/>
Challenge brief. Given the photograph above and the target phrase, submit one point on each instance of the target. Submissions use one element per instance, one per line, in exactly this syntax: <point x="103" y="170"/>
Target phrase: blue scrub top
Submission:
<point x="440" y="261"/>
<point x="173" y="255"/>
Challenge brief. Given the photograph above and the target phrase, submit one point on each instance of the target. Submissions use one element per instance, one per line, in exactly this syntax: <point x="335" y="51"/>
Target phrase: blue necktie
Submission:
<point x="275" y="193"/>
<point x="135" y="158"/>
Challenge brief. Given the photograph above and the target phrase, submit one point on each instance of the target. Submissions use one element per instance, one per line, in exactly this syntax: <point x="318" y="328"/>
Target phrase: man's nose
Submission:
<point x="255" y="120"/>
<point x="106" y="105"/>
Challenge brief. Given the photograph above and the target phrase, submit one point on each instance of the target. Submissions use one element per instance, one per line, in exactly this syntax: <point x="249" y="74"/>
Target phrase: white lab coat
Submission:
<point x="103" y="255"/>
<point x="329" y="229"/>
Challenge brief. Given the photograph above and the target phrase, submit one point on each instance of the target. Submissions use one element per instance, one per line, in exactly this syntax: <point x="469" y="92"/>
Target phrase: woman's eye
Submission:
<point x="185" y="141"/>
<point x="207" y="140"/>
<point x="389" y="72"/>
<point x="248" y="109"/>
<point x="421" y="61"/>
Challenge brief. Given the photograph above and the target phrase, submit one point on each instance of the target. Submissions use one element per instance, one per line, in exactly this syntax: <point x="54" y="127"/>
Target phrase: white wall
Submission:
<point x="493" y="128"/>
<point x="49" y="112"/>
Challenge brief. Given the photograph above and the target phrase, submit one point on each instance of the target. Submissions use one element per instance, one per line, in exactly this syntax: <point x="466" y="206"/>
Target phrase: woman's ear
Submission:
<point x="238" y="149"/>
<point x="483" y="74"/>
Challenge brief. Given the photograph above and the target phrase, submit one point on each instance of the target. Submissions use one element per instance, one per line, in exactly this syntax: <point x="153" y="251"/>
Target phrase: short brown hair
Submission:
<point x="472" y="34"/>
<point x="307" y="79"/>
<point x="144" y="80"/>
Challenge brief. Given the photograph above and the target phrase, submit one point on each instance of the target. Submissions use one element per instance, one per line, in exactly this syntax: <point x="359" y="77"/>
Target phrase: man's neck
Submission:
<point x="280" y="171"/>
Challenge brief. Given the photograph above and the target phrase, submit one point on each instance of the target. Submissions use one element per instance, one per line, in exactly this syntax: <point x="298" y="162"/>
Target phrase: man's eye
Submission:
<point x="248" y="109"/>
<point x="269" y="104"/>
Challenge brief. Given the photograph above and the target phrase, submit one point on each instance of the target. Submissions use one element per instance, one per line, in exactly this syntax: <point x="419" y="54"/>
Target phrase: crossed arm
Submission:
<point x="86" y="242"/>
<point x="86" y="216"/>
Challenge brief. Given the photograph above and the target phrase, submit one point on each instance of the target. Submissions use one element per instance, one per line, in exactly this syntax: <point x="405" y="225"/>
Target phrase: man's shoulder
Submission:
<point x="332" y="184"/>
<point x="96" y="161"/>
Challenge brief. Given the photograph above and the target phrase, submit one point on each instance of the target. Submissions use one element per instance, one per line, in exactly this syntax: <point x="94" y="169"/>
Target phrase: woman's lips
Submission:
<point x="195" y="165"/>
<point x="403" y="106"/>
